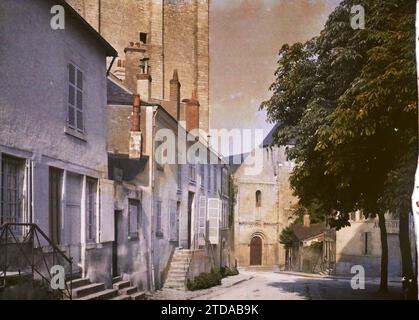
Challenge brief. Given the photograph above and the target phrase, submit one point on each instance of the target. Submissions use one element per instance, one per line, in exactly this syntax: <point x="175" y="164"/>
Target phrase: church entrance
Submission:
<point x="256" y="251"/>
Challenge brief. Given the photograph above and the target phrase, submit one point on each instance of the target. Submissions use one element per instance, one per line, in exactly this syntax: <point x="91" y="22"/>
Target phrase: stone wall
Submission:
<point x="178" y="38"/>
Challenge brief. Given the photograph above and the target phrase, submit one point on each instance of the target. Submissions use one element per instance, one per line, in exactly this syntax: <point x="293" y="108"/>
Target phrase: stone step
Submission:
<point x="77" y="283"/>
<point x="175" y="283"/>
<point x="176" y="276"/>
<point x="101" y="295"/>
<point x="117" y="279"/>
<point x="138" y="296"/>
<point x="88" y="289"/>
<point x="128" y="291"/>
<point x="180" y="260"/>
<point x="121" y="285"/>
<point x="122" y="297"/>
<point x="178" y="271"/>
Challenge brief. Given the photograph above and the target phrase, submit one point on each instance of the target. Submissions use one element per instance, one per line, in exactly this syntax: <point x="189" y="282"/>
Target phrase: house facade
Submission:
<point x="180" y="185"/>
<point x="53" y="131"/>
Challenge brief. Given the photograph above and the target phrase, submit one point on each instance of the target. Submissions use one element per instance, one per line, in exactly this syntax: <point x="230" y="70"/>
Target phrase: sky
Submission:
<point x="245" y="38"/>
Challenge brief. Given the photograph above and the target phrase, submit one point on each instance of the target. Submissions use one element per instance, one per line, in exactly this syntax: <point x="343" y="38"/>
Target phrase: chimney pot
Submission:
<point x="135" y="134"/>
<point x="306" y="219"/>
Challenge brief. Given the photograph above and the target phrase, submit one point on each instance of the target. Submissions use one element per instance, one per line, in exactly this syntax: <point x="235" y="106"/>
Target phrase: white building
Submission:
<point x="53" y="130"/>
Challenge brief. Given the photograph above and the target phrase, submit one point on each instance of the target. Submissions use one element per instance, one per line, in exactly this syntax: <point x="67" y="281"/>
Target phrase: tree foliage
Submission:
<point x="348" y="99"/>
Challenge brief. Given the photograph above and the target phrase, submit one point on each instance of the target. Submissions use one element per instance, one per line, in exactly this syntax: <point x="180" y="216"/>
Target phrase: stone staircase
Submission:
<point x="176" y="278"/>
<point x="83" y="289"/>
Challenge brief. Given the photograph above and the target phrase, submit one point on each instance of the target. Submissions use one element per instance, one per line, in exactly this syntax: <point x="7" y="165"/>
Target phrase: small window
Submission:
<point x="143" y="37"/>
<point x="134" y="217"/>
<point x="75" y="99"/>
<point x="258" y="198"/>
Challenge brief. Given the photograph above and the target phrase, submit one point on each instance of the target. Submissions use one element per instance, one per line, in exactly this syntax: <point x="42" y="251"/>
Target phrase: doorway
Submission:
<point x="115" y="268"/>
<point x="256" y="251"/>
<point x="191" y="196"/>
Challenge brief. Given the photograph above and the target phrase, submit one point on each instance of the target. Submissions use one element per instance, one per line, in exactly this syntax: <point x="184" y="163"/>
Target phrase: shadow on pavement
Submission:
<point x="332" y="289"/>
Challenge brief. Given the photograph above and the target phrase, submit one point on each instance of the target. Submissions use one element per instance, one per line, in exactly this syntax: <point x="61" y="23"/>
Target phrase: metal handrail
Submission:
<point x="6" y="230"/>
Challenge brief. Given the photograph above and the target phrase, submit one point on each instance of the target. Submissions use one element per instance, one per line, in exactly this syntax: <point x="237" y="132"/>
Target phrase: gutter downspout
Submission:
<point x="152" y="168"/>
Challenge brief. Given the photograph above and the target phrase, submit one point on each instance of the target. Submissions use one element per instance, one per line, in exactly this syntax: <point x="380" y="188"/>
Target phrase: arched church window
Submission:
<point x="258" y="198"/>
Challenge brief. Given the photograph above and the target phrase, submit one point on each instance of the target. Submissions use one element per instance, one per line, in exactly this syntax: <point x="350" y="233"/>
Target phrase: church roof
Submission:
<point x="269" y="139"/>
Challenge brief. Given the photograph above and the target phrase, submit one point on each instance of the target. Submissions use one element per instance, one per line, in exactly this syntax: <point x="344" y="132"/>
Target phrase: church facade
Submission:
<point x="262" y="207"/>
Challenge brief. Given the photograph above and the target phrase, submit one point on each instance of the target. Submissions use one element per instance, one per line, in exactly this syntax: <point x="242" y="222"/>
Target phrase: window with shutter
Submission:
<point x="173" y="220"/>
<point x="107" y="212"/>
<point x="91" y="195"/>
<point x="213" y="220"/>
<point x="202" y="220"/>
<point x="134" y="217"/>
<point x="75" y="99"/>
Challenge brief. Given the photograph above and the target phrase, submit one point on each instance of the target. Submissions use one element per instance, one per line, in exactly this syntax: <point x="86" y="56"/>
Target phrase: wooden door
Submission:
<point x="256" y="251"/>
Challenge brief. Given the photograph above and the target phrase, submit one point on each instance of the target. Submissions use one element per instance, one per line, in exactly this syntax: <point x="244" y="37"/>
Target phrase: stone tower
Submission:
<point x="176" y="33"/>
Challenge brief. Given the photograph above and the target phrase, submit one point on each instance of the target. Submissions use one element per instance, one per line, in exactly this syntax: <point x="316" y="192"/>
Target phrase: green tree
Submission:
<point x="348" y="98"/>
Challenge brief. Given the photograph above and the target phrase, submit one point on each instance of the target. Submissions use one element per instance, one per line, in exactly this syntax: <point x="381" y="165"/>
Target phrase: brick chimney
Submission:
<point x="306" y="219"/>
<point x="175" y="96"/>
<point x="135" y="133"/>
<point x="191" y="112"/>
<point x="137" y="68"/>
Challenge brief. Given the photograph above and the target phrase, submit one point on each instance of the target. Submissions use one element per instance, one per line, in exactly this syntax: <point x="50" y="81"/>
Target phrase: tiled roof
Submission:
<point x="313" y="230"/>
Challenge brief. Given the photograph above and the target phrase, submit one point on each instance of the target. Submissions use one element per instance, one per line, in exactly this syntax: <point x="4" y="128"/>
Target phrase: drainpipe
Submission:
<point x="152" y="167"/>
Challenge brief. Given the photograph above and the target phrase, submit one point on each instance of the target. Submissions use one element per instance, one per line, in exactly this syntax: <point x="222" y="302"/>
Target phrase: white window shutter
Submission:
<point x="107" y="216"/>
<point x="173" y="220"/>
<point x="214" y="220"/>
<point x="202" y="220"/>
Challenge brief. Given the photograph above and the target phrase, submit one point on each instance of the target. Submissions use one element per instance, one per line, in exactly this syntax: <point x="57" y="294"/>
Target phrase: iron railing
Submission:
<point x="26" y="243"/>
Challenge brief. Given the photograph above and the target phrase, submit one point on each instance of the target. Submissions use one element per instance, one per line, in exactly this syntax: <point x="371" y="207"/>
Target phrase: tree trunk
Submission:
<point x="409" y="279"/>
<point x="384" y="253"/>
<point x="416" y="187"/>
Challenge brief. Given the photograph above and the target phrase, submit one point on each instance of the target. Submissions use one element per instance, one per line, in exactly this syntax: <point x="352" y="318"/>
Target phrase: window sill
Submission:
<point x="75" y="134"/>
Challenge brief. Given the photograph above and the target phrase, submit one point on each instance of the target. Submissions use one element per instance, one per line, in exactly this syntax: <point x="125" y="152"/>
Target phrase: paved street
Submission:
<point x="277" y="286"/>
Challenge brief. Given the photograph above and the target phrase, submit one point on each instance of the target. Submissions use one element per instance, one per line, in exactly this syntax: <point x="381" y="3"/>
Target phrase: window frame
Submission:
<point x="131" y="233"/>
<point x="91" y="209"/>
<point x="74" y="106"/>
